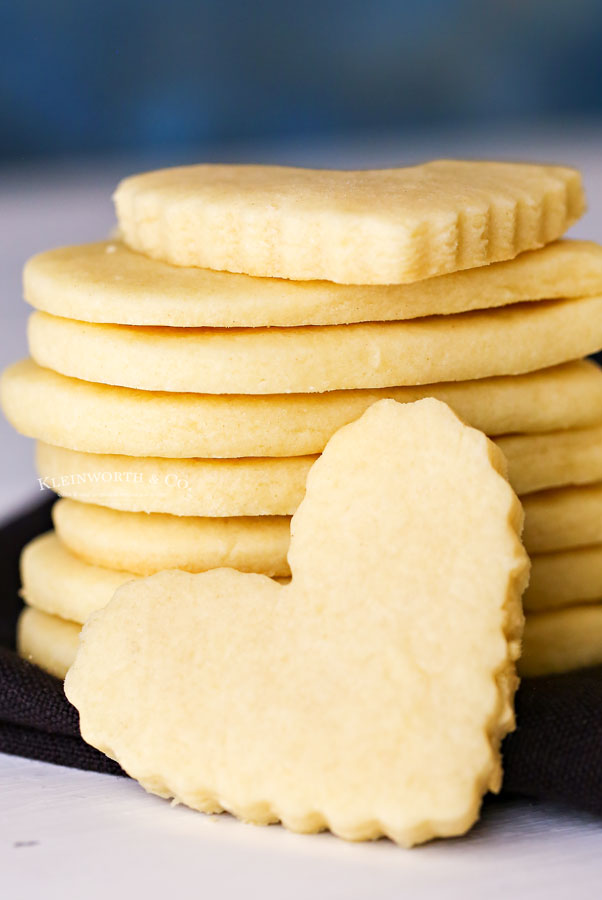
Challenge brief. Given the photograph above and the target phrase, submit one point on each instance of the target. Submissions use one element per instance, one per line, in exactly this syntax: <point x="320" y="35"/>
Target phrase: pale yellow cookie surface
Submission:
<point x="57" y="582"/>
<point x="564" y="578"/>
<point x="506" y="341"/>
<point x="562" y="640"/>
<point x="553" y="642"/>
<point x="385" y="226"/>
<point x="108" y="282"/>
<point x="47" y="641"/>
<point x="276" y="486"/>
<point x="145" y="544"/>
<point x="242" y="693"/>
<point x="182" y="487"/>
<point x="563" y="518"/>
<point x="538" y="461"/>
<point x="556" y="519"/>
<point x="98" y="418"/>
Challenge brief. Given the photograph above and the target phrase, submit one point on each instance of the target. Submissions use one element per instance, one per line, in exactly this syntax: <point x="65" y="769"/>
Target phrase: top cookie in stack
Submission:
<point x="390" y="226"/>
<point x="250" y="311"/>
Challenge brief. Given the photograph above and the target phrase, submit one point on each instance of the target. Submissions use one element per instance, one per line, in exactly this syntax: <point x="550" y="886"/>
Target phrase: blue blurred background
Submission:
<point x="189" y="76"/>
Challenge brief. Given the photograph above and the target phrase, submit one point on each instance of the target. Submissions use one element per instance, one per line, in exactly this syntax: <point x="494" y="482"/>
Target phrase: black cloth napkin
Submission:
<point x="36" y="719"/>
<point x="555" y="754"/>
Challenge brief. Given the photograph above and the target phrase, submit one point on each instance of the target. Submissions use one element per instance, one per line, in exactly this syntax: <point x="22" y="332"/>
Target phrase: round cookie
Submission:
<point x="145" y="544"/>
<point x="564" y="578"/>
<point x="47" y="641"/>
<point x="562" y="640"/>
<point x="97" y="418"/>
<point x="183" y="487"/>
<point x="563" y="518"/>
<point x="506" y="341"/>
<point x="538" y="461"/>
<point x="276" y="486"/>
<point x="386" y="226"/>
<point x="59" y="583"/>
<point x="108" y="282"/>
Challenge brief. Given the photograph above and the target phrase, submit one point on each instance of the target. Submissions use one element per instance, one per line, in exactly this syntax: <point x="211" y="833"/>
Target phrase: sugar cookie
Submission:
<point x="506" y="341"/>
<point x="59" y="583"/>
<point x="276" y="486"/>
<point x="145" y="544"/>
<point x="364" y="227"/>
<point x="107" y="282"/>
<point x="564" y="578"/>
<point x="98" y="418"/>
<point x="556" y="519"/>
<point x="182" y="487"/>
<point x="538" y="461"/>
<point x="410" y="693"/>
<point x="563" y="518"/>
<point x="47" y="641"/>
<point x="562" y="640"/>
<point x="553" y="641"/>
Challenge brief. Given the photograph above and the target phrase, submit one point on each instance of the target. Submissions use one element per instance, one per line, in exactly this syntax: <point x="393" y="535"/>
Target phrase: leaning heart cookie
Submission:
<point x="371" y="694"/>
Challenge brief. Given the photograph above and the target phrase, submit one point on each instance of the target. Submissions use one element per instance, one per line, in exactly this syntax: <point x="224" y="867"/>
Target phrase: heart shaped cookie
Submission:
<point x="368" y="696"/>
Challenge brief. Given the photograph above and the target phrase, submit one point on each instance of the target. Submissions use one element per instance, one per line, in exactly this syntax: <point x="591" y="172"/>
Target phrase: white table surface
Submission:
<point x="66" y="833"/>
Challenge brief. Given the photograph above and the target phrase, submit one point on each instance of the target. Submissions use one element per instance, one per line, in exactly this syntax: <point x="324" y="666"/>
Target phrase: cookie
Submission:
<point x="553" y="642"/>
<point x="182" y="487"/>
<point x="60" y="584"/>
<point x="47" y="641"/>
<point x="107" y="282"/>
<point x="145" y="544"/>
<point x="409" y="694"/>
<point x="564" y="578"/>
<point x="538" y="461"/>
<point x="563" y="518"/>
<point x="562" y="640"/>
<point x="556" y="519"/>
<point x="99" y="418"/>
<point x="506" y="341"/>
<point x="276" y="486"/>
<point x="365" y="227"/>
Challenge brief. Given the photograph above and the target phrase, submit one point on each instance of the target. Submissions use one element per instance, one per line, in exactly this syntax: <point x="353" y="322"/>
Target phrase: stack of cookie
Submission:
<point x="184" y="377"/>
